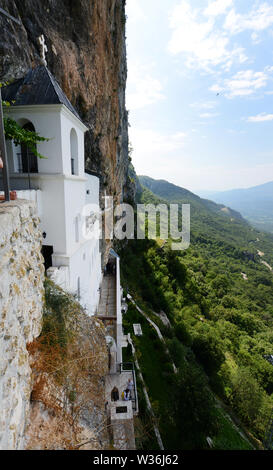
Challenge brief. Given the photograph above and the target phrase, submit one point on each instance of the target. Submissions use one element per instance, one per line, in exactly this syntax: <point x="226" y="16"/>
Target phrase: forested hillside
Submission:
<point x="218" y="297"/>
<point x="174" y="194"/>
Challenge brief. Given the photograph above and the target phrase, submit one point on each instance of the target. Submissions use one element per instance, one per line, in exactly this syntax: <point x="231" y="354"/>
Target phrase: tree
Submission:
<point x="193" y="409"/>
<point x="208" y="349"/>
<point x="246" y="397"/>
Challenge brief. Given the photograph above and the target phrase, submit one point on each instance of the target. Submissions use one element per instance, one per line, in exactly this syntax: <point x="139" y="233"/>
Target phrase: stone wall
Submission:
<point x="21" y="304"/>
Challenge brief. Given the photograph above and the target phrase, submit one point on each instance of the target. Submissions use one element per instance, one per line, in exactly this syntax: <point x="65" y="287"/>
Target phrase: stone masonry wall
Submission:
<point x="21" y="304"/>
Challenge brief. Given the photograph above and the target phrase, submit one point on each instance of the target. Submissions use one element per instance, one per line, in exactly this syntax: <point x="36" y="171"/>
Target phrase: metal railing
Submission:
<point x="126" y="367"/>
<point x="27" y="163"/>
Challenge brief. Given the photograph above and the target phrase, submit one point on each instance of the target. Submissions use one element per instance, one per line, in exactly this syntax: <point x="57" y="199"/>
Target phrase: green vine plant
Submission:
<point x="22" y="136"/>
<point x="19" y="135"/>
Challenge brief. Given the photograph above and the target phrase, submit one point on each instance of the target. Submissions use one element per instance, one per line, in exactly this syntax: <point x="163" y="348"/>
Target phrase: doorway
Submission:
<point x="47" y="252"/>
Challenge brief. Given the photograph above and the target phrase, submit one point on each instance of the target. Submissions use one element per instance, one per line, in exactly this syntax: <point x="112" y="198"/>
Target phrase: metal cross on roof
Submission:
<point x="43" y="49"/>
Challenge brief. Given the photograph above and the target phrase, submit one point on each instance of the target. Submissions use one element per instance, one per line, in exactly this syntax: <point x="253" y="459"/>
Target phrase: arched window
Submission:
<point x="27" y="160"/>
<point x="74" y="152"/>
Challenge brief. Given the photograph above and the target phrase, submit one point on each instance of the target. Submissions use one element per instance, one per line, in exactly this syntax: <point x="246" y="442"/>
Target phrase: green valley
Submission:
<point x="219" y="300"/>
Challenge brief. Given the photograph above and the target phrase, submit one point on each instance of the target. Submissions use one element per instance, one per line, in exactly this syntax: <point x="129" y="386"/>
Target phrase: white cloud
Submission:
<point x="135" y="12"/>
<point x="156" y="152"/>
<point x="255" y="38"/>
<point x="269" y="68"/>
<point x="204" y="105"/>
<point x="257" y="19"/>
<point x="243" y="83"/>
<point x="246" y="82"/>
<point x="156" y="143"/>
<point x="263" y="117"/>
<point x="208" y="115"/>
<point x="217" y="7"/>
<point x="204" y="35"/>
<point x="216" y="88"/>
<point x="199" y="37"/>
<point x="143" y="88"/>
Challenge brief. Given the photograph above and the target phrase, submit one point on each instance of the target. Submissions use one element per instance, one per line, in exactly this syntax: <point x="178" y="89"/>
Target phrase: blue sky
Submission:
<point x="200" y="91"/>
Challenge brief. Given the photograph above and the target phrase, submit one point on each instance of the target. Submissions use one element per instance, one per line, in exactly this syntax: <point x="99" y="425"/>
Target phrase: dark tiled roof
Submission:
<point x="37" y="87"/>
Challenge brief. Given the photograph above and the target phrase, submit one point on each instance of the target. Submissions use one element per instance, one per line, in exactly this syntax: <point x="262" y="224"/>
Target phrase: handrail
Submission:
<point x="29" y="156"/>
<point x="122" y="364"/>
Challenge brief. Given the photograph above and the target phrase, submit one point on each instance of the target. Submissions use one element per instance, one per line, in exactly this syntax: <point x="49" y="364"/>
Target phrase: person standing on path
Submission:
<point x="130" y="386"/>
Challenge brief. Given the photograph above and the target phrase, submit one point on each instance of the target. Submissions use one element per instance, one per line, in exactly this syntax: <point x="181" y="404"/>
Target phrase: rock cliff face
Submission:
<point x="21" y="306"/>
<point x="87" y="55"/>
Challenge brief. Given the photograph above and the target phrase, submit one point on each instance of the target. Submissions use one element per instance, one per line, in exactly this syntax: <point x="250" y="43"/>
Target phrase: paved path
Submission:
<point x="122" y="429"/>
<point x="107" y="305"/>
<point x="260" y="253"/>
<point x="124" y="434"/>
<point x="116" y="380"/>
<point x="267" y="265"/>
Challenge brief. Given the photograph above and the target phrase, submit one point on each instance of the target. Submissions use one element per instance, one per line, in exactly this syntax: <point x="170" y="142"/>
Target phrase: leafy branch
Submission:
<point x="20" y="135"/>
<point x="23" y="136"/>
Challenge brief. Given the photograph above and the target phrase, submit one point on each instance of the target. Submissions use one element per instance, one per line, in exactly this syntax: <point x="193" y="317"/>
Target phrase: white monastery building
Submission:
<point x="58" y="183"/>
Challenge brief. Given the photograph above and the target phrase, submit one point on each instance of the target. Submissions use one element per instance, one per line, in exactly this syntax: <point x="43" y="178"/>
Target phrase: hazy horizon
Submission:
<point x="207" y="190"/>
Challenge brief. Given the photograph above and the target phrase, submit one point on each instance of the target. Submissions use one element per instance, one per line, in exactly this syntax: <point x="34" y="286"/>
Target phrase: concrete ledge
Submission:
<point x="116" y="416"/>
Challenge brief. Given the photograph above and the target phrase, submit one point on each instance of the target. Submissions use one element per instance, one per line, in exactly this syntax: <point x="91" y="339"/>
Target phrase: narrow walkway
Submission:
<point x="122" y="423"/>
<point x="123" y="434"/>
<point x="120" y="413"/>
<point x="107" y="305"/>
<point x="119" y="381"/>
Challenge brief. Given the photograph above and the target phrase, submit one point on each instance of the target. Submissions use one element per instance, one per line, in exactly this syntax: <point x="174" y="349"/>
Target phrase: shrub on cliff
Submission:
<point x="69" y="361"/>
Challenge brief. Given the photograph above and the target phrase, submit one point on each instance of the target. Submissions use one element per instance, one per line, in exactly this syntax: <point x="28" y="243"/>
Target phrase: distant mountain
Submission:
<point x="175" y="194"/>
<point x="255" y="204"/>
